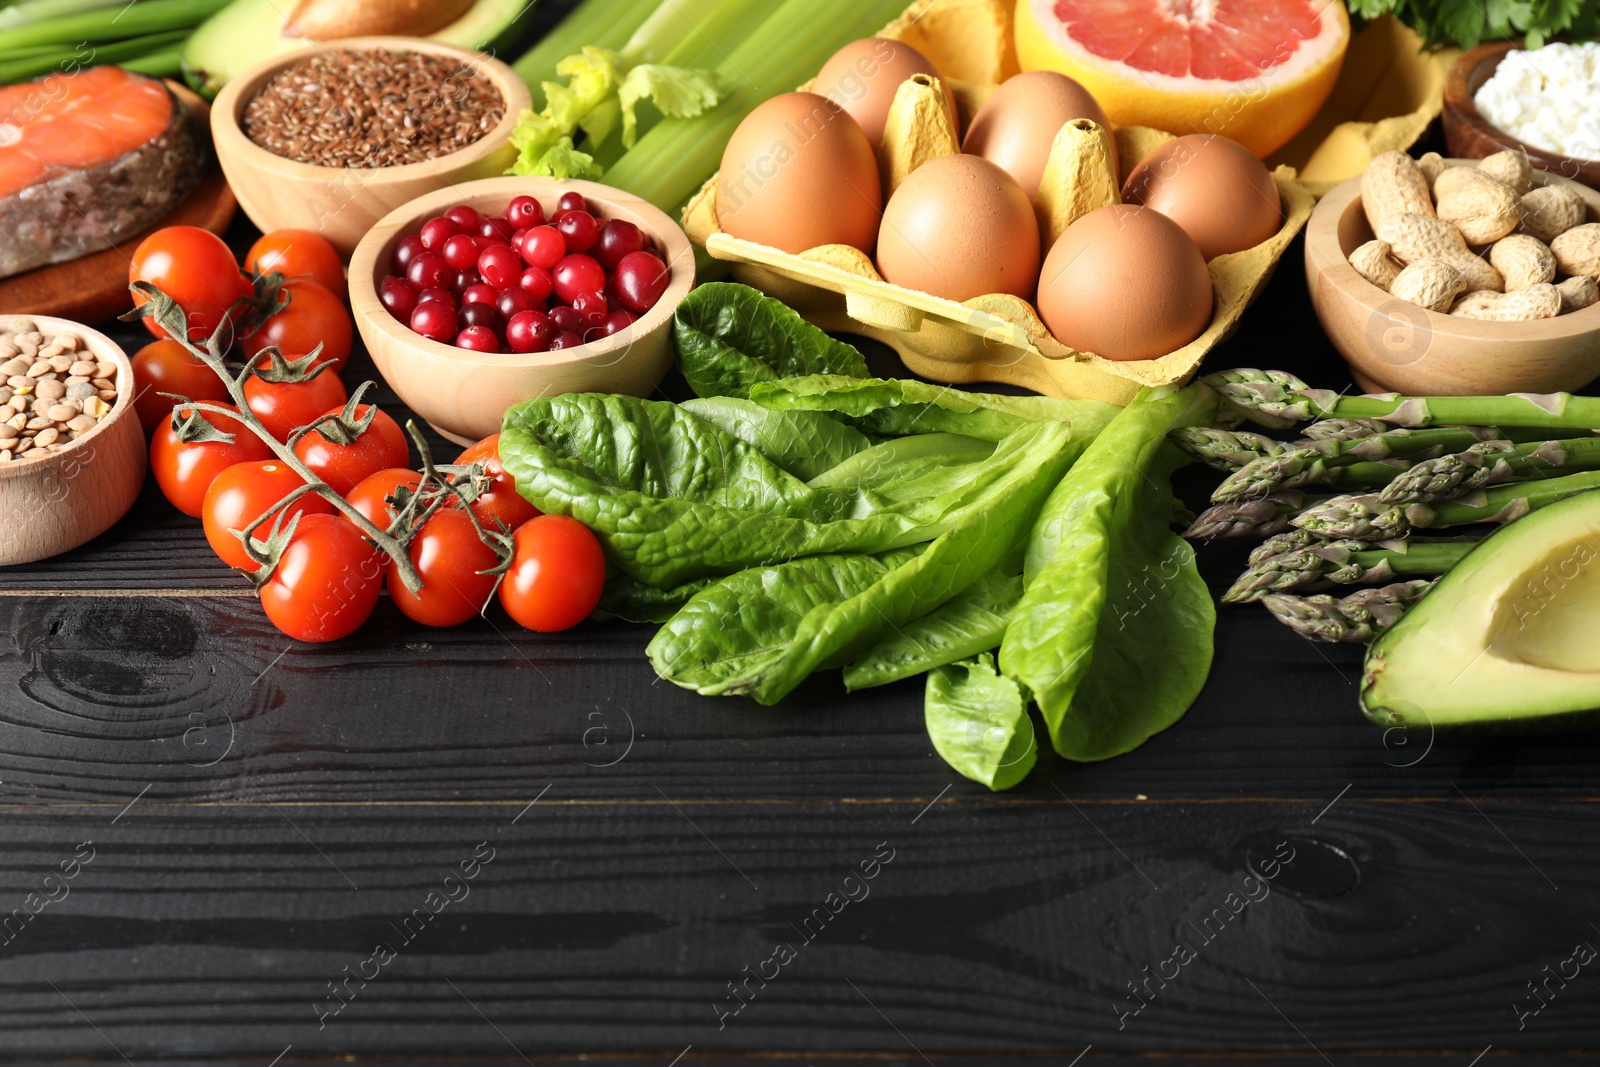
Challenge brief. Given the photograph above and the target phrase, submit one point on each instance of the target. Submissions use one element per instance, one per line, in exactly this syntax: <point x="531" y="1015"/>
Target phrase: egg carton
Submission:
<point x="996" y="337"/>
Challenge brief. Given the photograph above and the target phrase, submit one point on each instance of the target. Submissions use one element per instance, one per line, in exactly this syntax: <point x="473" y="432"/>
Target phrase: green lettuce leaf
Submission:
<point x="804" y="443"/>
<point x="978" y="723"/>
<point x="730" y="336"/>
<point x="968" y="624"/>
<point x="762" y="631"/>
<point x="1113" y="634"/>
<point x="902" y="468"/>
<point x="894" y="407"/>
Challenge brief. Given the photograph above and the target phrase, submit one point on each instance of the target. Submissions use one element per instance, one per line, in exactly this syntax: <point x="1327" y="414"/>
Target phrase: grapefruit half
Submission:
<point x="1256" y="71"/>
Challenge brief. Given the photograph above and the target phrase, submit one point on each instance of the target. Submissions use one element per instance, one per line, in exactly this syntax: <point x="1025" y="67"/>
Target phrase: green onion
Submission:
<point x="30" y="11"/>
<point x="670" y="163"/>
<point x="70" y="59"/>
<point x="129" y="20"/>
<point x="162" y="63"/>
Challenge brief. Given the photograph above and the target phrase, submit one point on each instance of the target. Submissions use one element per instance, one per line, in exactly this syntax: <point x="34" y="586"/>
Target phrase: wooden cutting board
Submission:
<point x="94" y="288"/>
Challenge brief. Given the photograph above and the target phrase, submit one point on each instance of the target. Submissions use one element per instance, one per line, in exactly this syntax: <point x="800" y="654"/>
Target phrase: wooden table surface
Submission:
<point x="484" y="845"/>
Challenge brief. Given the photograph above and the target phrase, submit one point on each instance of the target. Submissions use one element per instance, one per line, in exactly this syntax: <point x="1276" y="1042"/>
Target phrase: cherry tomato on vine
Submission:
<point x="185" y="470"/>
<point x="240" y="495"/>
<point x="342" y="466"/>
<point x="556" y="576"/>
<point x="296" y="253"/>
<point x="501" y="500"/>
<point x="196" y="269"/>
<point x="370" y="495"/>
<point x="284" y="407"/>
<point x="326" y="582"/>
<point x="167" y="367"/>
<point x="448" y="555"/>
<point x="314" y="316"/>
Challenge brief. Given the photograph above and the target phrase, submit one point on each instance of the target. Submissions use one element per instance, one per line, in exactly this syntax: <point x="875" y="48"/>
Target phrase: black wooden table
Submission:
<point x="484" y="845"/>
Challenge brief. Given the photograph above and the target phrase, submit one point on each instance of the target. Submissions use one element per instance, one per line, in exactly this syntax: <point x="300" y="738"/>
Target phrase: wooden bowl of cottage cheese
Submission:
<point x="1500" y="95"/>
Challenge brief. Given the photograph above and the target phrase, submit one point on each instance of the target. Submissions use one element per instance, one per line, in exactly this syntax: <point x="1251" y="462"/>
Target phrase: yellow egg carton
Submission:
<point x="999" y="338"/>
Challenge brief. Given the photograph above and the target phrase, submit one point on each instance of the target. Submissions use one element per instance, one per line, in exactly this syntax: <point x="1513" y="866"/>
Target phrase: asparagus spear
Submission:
<point x="1310" y="461"/>
<point x="1257" y="518"/>
<point x="1346" y="562"/>
<point x="1275" y="399"/>
<point x="1356" y="618"/>
<point x="1486" y="463"/>
<point x="1344" y="429"/>
<point x="1224" y="450"/>
<point x="1365" y="518"/>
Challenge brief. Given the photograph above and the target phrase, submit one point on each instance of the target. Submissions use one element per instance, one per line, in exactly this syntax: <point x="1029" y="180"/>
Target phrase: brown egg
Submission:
<point x="1213" y="187"/>
<point x="960" y="227"/>
<point x="1125" y="282"/>
<point x="863" y="76"/>
<point x="798" y="173"/>
<point x="1016" y="126"/>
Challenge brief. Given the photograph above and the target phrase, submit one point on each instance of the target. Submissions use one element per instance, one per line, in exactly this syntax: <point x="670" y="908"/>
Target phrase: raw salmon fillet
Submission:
<point x="87" y="159"/>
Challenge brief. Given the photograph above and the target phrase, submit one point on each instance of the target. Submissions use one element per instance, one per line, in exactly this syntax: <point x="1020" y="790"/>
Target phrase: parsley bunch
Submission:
<point x="1466" y="22"/>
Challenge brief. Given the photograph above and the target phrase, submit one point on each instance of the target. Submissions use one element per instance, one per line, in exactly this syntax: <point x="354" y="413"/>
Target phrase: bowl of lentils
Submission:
<point x="331" y="138"/>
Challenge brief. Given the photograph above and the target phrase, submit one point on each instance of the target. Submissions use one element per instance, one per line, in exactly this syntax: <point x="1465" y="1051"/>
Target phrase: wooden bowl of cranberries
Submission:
<point x="477" y="297"/>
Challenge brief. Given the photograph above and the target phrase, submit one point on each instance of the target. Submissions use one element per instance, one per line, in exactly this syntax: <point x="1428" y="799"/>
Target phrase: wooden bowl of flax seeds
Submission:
<point x="72" y="453"/>
<point x="333" y="137"/>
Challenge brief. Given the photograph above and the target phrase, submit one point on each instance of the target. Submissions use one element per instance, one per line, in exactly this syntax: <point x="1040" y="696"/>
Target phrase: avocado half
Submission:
<point x="1508" y="636"/>
<point x="248" y="32"/>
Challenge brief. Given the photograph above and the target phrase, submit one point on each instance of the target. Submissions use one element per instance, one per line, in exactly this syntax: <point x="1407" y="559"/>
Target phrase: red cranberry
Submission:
<point x="617" y="321"/>
<point x="500" y="266"/>
<point x="407" y="249"/>
<point x="514" y="300"/>
<point x="397" y="297"/>
<point x="428" y="271"/>
<point x="434" y="320"/>
<point x="591" y="309"/>
<point x="497" y="230"/>
<point x="524" y="211"/>
<point x="543" y="247"/>
<point x="529" y="331"/>
<point x="461" y="252"/>
<point x="617" y="238"/>
<point x="480" y="315"/>
<point x="580" y="230"/>
<point x="463" y="280"/>
<point x="435" y="232"/>
<point x="478" y="339"/>
<point x="576" y="274"/>
<point x="480" y="294"/>
<point x="535" y="281"/>
<point x="564" y="319"/>
<point x="641" y="279"/>
<point x="465" y="217"/>
<point x="572" y="202"/>
<point x="438" y="296"/>
<point x="566" y="339"/>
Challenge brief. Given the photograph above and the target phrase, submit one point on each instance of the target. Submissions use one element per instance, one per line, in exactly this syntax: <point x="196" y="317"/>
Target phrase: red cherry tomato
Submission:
<point x="196" y="269"/>
<point x="184" y="471"/>
<point x="167" y="367"/>
<point x="556" y="576"/>
<point x="448" y="555"/>
<point x="296" y="253"/>
<point x="284" y="407"/>
<point x="313" y="316"/>
<point x="239" y="495"/>
<point x="342" y="466"/>
<point x="326" y="582"/>
<point x="500" y="503"/>
<point x="371" y="494"/>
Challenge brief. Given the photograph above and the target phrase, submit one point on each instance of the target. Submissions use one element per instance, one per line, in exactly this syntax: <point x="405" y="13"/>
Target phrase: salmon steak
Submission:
<point x="86" y="160"/>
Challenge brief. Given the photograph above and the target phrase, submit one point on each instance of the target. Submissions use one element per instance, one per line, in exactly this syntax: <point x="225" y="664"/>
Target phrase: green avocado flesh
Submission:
<point x="248" y="32"/>
<point x="1509" y="635"/>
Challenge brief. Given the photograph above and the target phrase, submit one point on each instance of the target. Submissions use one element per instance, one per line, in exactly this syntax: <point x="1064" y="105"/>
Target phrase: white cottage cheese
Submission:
<point x="1548" y="97"/>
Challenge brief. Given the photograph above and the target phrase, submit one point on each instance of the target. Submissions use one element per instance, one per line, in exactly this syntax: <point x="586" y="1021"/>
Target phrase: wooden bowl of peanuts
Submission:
<point x="1459" y="277"/>
<point x="72" y="454"/>
<point x="403" y="82"/>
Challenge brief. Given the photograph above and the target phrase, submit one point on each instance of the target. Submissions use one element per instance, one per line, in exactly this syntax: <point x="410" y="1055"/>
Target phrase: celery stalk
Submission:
<point x="670" y="163"/>
<point x="601" y="23"/>
<point x="131" y="20"/>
